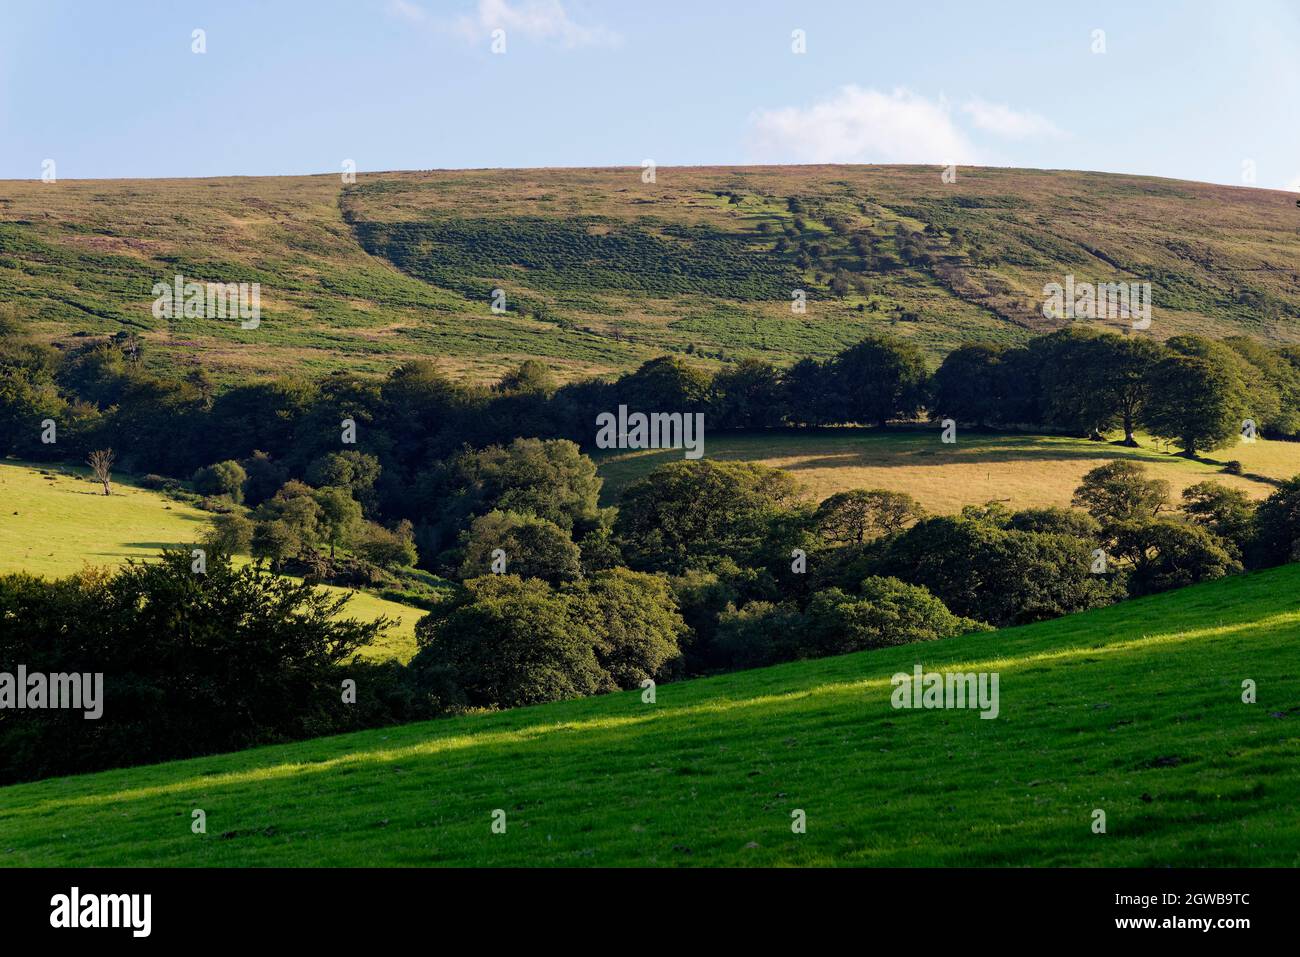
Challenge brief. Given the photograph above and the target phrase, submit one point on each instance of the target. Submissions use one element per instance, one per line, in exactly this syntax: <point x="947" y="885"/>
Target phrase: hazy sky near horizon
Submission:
<point x="1193" y="90"/>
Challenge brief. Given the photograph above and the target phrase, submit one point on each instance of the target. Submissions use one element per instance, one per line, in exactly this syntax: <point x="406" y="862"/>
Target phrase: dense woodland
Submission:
<point x="701" y="567"/>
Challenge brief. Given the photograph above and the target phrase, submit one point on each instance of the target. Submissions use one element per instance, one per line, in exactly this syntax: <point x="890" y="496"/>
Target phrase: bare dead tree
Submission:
<point x="101" y="463"/>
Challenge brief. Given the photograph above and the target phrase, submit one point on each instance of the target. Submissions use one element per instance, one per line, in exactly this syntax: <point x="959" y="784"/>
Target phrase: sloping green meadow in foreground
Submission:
<point x="1135" y="710"/>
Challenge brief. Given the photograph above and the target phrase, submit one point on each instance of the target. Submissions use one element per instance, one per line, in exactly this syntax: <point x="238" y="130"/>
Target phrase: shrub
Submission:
<point x="231" y="534"/>
<point x="996" y="575"/>
<point x="684" y="513"/>
<point x="223" y="478"/>
<point x="1168" y="554"/>
<point x="507" y="642"/>
<point x="885" y="612"/>
<point x="416" y="599"/>
<point x="1276" y="528"/>
<point x="534" y="548"/>
<point x="855" y="516"/>
<point x="1121" y="491"/>
<point x="387" y="548"/>
<point x="260" y="662"/>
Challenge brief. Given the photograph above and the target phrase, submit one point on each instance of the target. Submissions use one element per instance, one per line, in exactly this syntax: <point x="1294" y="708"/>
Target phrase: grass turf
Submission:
<point x="55" y="520"/>
<point x="603" y="271"/>
<point x="1135" y="710"/>
<point x="1022" y="471"/>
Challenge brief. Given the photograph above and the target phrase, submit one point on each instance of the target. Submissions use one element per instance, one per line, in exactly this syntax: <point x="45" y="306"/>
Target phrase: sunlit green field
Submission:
<point x="398" y="639"/>
<point x="1135" y="710"/>
<point x="1022" y="471"/>
<point x="55" y="520"/>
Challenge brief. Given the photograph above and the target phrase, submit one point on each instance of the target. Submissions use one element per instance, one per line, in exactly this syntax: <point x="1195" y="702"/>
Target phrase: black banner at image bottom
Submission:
<point x="328" y="906"/>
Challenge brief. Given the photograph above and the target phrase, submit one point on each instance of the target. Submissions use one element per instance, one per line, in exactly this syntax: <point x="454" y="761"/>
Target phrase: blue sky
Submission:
<point x="1194" y="90"/>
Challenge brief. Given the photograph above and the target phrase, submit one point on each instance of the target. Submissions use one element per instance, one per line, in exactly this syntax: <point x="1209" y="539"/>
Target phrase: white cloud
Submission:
<point x="407" y="11"/>
<point x="1002" y="120"/>
<point x="861" y="126"/>
<point x="544" y="20"/>
<point x="1294" y="185"/>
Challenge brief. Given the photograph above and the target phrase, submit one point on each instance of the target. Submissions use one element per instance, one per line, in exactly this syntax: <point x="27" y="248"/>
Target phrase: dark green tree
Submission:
<point x="1164" y="554"/>
<point x="1223" y="511"/>
<point x="885" y="612"/>
<point x="1053" y="520"/>
<point x="192" y="664"/>
<point x="356" y="471"/>
<point x="1276" y="538"/>
<point x="879" y="379"/>
<point x="1196" y="401"/>
<point x="1074" y="392"/>
<point x="276" y="542"/>
<point x="221" y="478"/>
<point x="685" y="513"/>
<point x="967" y="385"/>
<point x="1120" y="491"/>
<point x="748" y="395"/>
<point x="340" y="516"/>
<point x="231" y="534"/>
<point x="665" y="384"/>
<point x="387" y="548"/>
<point x="534" y="547"/>
<point x="508" y="642"/>
<point x="550" y="479"/>
<point x="996" y="575"/>
<point x="634" y="623"/>
<point x="1121" y="371"/>
<point x="855" y="516"/>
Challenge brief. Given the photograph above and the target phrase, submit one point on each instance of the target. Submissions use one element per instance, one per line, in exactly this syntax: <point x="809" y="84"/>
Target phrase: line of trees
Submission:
<point x="1192" y="391"/>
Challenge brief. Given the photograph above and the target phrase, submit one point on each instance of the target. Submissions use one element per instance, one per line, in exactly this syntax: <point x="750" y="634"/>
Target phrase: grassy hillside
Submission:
<point x="1135" y="710"/>
<point x="55" y="520"/>
<point x="1022" y="470"/>
<point x="602" y="271"/>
